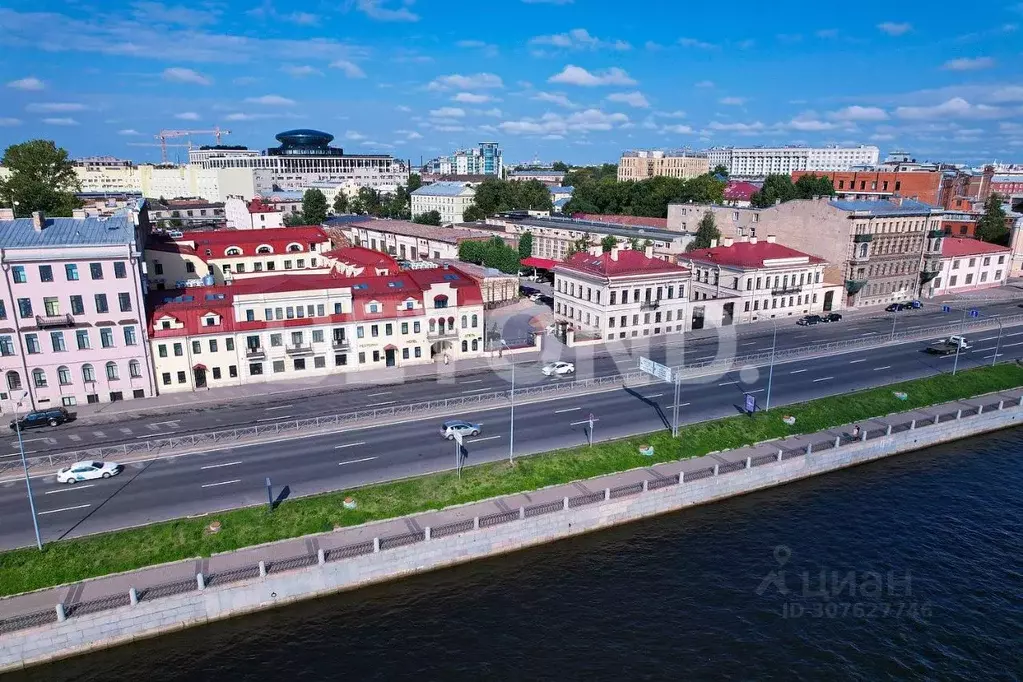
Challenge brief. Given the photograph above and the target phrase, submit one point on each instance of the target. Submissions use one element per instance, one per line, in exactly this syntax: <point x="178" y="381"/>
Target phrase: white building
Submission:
<point x="620" y="294"/>
<point x="761" y="278"/>
<point x="450" y="199"/>
<point x="107" y="175"/>
<point x="757" y="162"/>
<point x="213" y="184"/>
<point x="252" y="215"/>
<point x="410" y="241"/>
<point x="968" y="265"/>
<point x="485" y="159"/>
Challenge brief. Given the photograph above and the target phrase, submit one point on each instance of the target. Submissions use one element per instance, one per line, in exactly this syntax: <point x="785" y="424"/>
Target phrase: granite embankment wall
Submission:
<point x="123" y="624"/>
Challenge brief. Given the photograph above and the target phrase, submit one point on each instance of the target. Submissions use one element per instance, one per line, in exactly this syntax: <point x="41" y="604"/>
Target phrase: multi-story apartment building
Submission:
<point x="107" y="175"/>
<point x="197" y="259"/>
<point x="252" y="215"/>
<point x="72" y="315"/>
<point x="411" y="241"/>
<point x="882" y="251"/>
<point x="760" y="278"/>
<point x="288" y="327"/>
<point x="485" y="159"/>
<point x="547" y="176"/>
<point x="758" y="162"/>
<point x="186" y="214"/>
<point x="968" y="265"/>
<point x="643" y="164"/>
<point x="450" y="199"/>
<point x="621" y="294"/>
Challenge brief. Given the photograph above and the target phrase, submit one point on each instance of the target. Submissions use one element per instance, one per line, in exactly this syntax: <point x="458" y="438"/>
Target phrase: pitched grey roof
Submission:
<point x="442" y="189"/>
<point x="20" y="234"/>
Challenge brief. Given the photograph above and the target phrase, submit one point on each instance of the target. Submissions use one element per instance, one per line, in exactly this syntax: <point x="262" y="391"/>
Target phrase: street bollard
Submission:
<point x="376" y="544"/>
<point x="645" y="487"/>
<point x="1001" y="404"/>
<point x="262" y="569"/>
<point x="426" y="534"/>
<point x="1020" y="402"/>
<point x="133" y="596"/>
<point x="607" y="494"/>
<point x="888" y="431"/>
<point x="681" y="477"/>
<point x="980" y="410"/>
<point x="809" y="448"/>
<point x="780" y="455"/>
<point x="321" y="557"/>
<point x="863" y="435"/>
<point x="200" y="582"/>
<point x="715" y="469"/>
<point x="522" y="512"/>
<point x="959" y="414"/>
<point x="749" y="462"/>
<point x="912" y="425"/>
<point x="565" y="504"/>
<point x="476" y="523"/>
<point x="61" y="616"/>
<point x="838" y="441"/>
<point x="937" y="417"/>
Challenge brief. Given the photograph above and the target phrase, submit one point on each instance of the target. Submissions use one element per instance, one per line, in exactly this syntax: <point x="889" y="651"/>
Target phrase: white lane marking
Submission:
<point x="570" y="409"/>
<point x="853" y="362"/>
<point x="797" y="371"/>
<point x="585" y="421"/>
<point x="356" y="461"/>
<point x="374" y="395"/>
<point x="349" y="445"/>
<point x="477" y="390"/>
<point x="124" y="430"/>
<point x="386" y="402"/>
<point x="474" y="381"/>
<point x="217" y="466"/>
<point x="172" y="422"/>
<point x="982" y="349"/>
<point x="214" y="485"/>
<point x="868" y="334"/>
<point x="655" y="395"/>
<point x="70" y="488"/>
<point x="728" y="383"/>
<point x="878" y="369"/>
<point x="273" y="419"/>
<point x="1010" y="345"/>
<point x="822" y="379"/>
<point x="64" y="509"/>
<point x="986" y="357"/>
<point x="705" y="357"/>
<point x="749" y="343"/>
<point x="278" y="407"/>
<point x="74" y="437"/>
<point x="479" y="440"/>
<point x="759" y="390"/>
<point x="1016" y="334"/>
<point x="30" y="440"/>
<point x="99" y="434"/>
<point x="990" y="338"/>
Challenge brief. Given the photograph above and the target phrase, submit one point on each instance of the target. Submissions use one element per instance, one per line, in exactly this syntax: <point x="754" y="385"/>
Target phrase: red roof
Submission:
<point x="953" y="247"/>
<point x="747" y="254"/>
<point x="218" y="241"/>
<point x="257" y="206"/>
<point x="534" y="262"/>
<point x="361" y="256"/>
<point x="628" y="262"/>
<point x="737" y="190"/>
<point x="468" y="289"/>
<point x="640" y="221"/>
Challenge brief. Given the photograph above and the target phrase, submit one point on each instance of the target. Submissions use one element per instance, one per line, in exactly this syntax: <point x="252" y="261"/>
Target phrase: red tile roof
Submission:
<point x="361" y="256"/>
<point x="536" y="262"/>
<point x="639" y="221"/>
<point x="740" y="191"/>
<point x="629" y="262"/>
<point x="468" y="290"/>
<point x="257" y="206"/>
<point x="747" y="254"/>
<point x="953" y="247"/>
<point x="218" y="241"/>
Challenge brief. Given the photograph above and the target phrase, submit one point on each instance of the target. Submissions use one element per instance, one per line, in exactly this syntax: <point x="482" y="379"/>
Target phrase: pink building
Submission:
<point x="72" y="316"/>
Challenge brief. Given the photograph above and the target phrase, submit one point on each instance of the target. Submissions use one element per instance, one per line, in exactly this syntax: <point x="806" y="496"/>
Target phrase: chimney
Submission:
<point x="649" y="251"/>
<point x="771" y="239"/>
<point x="38" y="221"/>
<point x="614" y="254"/>
<point x="713" y="243"/>
<point x="6" y="214"/>
<point x="78" y="213"/>
<point x="752" y="240"/>
<point x="728" y="241"/>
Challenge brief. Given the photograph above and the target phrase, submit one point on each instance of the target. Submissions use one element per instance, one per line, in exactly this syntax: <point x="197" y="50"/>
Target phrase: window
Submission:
<point x="216" y="372"/>
<point x="340" y="360"/>
<point x="129" y="336"/>
<point x="88" y="374"/>
<point x="124" y="300"/>
<point x="229" y="344"/>
<point x="196" y="347"/>
<point x="135" y="369"/>
<point x="317" y="336"/>
<point x="96" y="270"/>
<point x="299" y="364"/>
<point x="32" y="344"/>
<point x="158" y="268"/>
<point x="82" y="337"/>
<point x="952" y="280"/>
<point x="179" y="350"/>
<point x="232" y="371"/>
<point x="166" y="378"/>
<point x="181" y="378"/>
<point x="6" y="345"/>
<point x="255" y="368"/>
<point x="25" y="307"/>
<point x="101" y="303"/>
<point x="416" y="327"/>
<point x="57" y="341"/>
<point x="969" y="278"/>
<point x="51" y="306"/>
<point x="213" y="345"/>
<point x="278" y="366"/>
<point x="362" y="358"/>
<point x="106" y="337"/>
<point x="18" y="272"/>
<point x="45" y="273"/>
<point x="112" y="371"/>
<point x="13" y="381"/>
<point x="63" y="376"/>
<point x="77" y="305"/>
<point x="39" y="378"/>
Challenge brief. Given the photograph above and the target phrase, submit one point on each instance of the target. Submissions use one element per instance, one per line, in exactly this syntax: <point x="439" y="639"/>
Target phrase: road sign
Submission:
<point x="751" y="403"/>
<point x="974" y="313"/>
<point x="656" y="369"/>
<point x="457" y="435"/>
<point x="946" y="308"/>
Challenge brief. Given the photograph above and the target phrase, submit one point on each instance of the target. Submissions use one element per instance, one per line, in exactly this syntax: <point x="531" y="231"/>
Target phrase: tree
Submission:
<point x="526" y="245"/>
<point x="721" y="170"/>
<point x="428" y="218"/>
<point x="340" y="203"/>
<point x="813" y="185"/>
<point x="399" y="206"/>
<point x="706" y="233"/>
<point x="991" y="226"/>
<point x="415" y="181"/>
<point x="293" y="219"/>
<point x="473" y="213"/>
<point x="493" y="253"/>
<point x="560" y="166"/>
<point x="357" y="206"/>
<point x="608" y="243"/>
<point x="370" y="200"/>
<point x="775" y="188"/>
<point x="42" y="179"/>
<point x="314" y="207"/>
<point x="579" y="245"/>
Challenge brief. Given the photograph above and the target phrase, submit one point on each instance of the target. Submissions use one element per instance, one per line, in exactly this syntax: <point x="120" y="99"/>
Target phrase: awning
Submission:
<point x="200" y="366"/>
<point x="543" y="263"/>
<point x="390" y="346"/>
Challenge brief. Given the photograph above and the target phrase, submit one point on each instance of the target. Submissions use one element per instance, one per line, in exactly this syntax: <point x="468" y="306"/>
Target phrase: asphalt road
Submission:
<point x="590" y="361"/>
<point x="222" y="479"/>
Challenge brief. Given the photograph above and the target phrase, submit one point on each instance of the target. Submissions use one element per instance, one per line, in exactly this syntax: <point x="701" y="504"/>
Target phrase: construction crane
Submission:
<point x="162" y="146"/>
<point x="164" y="135"/>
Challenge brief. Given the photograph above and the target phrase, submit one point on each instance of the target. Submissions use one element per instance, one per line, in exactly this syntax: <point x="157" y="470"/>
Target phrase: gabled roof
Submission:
<point x="257" y="206"/>
<point x="443" y="189"/>
<point x="467" y="288"/>
<point x="740" y="191"/>
<point x="628" y="262"/>
<point x="218" y="241"/>
<point x="747" y="254"/>
<point x="21" y="234"/>
<point x="360" y="256"/>
<point x="886" y="207"/>
<point x="953" y="247"/>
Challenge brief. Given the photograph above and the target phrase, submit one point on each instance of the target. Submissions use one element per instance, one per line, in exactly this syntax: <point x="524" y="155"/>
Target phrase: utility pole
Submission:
<point x="770" y="372"/>
<point x="511" y="435"/>
<point x="28" y="481"/>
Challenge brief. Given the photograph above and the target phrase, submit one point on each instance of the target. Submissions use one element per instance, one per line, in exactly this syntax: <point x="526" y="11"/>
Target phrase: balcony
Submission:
<point x="299" y="349"/>
<point x="650" y="305"/>
<point x="255" y="353"/>
<point x="862" y="238"/>
<point x="791" y="289"/>
<point x="853" y="286"/>
<point x="442" y="334"/>
<point x="341" y="344"/>
<point x="935" y="234"/>
<point x="48" y="321"/>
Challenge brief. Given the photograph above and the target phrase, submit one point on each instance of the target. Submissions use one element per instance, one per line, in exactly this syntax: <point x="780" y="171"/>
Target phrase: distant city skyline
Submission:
<point x="570" y="80"/>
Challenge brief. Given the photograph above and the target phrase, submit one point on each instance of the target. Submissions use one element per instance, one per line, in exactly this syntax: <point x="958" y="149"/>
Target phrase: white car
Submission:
<point x="87" y="471"/>
<point x="535" y="298"/>
<point x="559" y="368"/>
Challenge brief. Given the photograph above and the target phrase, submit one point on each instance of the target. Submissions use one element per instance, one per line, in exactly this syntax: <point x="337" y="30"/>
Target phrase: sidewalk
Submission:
<point x="36" y="608"/>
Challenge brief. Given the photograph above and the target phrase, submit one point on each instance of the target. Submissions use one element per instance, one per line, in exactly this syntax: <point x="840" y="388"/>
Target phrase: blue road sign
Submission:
<point x="974" y="313"/>
<point x="751" y="403"/>
<point x="946" y="308"/>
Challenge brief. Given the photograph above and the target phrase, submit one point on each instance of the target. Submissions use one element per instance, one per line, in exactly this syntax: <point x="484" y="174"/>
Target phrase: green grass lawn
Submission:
<point x="71" y="560"/>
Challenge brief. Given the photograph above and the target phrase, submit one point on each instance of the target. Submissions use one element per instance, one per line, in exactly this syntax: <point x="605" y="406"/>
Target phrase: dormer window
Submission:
<point x="294" y="248"/>
<point x="440" y="302"/>
<point x="233" y="251"/>
<point x="264" y="248"/>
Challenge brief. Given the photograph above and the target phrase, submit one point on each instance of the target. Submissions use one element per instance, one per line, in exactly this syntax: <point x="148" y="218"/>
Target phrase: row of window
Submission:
<point x="779" y="281"/>
<point x="594" y="320"/>
<point x="969" y="279"/>
<point x="646" y="332"/>
<point x="58" y="343"/>
<point x="20" y="275"/>
<point x="51" y="305"/>
<point x="973" y="262"/>
<point x="649" y="294"/>
<point x="780" y="302"/>
<point x="40" y="380"/>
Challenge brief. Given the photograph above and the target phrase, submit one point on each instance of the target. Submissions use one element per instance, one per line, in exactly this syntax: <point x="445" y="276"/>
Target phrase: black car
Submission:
<point x="832" y="317"/>
<point x="51" y="417"/>
<point x="898" y="307"/>
<point x="809" y="320"/>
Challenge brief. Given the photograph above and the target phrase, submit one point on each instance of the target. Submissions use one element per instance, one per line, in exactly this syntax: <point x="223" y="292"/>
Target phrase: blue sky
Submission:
<point x="579" y="80"/>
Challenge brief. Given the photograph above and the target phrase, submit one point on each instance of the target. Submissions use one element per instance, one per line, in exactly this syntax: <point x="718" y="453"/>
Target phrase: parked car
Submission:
<point x="536" y="298"/>
<point x="87" y="471"/>
<point x="51" y="417"/>
<point x="898" y="307"/>
<point x="832" y="317"/>
<point x="559" y="368"/>
<point x="916" y="304"/>
<point x="450" y="428"/>
<point x="809" y="320"/>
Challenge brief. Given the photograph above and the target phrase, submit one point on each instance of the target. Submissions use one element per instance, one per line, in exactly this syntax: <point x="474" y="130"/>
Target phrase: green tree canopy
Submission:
<point x="42" y="179"/>
<point x="721" y="170"/>
<point x="706" y="233"/>
<point x="648" y="197"/>
<point x="781" y="187"/>
<point x="473" y="213"/>
<point x="428" y="218"/>
<point x="526" y="245"/>
<point x="560" y="166"/>
<point x="415" y="181"/>
<point x="340" y="203"/>
<point x="991" y="226"/>
<point x="494" y="195"/>
<point x="314" y="207"/>
<point x="608" y="243"/>
<point x="493" y="253"/>
<point x="369" y="198"/>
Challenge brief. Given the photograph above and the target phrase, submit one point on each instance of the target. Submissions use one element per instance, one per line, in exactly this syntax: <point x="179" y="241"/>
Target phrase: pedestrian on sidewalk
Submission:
<point x="446" y="358"/>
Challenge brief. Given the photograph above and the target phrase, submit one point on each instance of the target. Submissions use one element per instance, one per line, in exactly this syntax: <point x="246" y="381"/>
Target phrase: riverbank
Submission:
<point x="236" y="583"/>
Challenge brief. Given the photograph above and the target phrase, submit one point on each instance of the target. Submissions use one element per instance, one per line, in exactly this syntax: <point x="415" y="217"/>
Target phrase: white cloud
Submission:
<point x="187" y="116"/>
<point x="705" y="84"/>
<point x="488" y="49"/>
<point x="807" y="122"/>
<point x="448" y="112"/>
<point x="9" y="122"/>
<point x="158" y="13"/>
<point x="302" y="18"/>
<point x="881" y="137"/>
<point x="968" y="64"/>
<point x="242" y="116"/>
<point x="742" y="128"/>
<point x="677" y="129"/>
<point x="559" y="124"/>
<point x="555" y="98"/>
<point x="471" y="98"/>
<point x="652" y="46"/>
<point x="457" y="81"/>
<point x="858" y="113"/>
<point x="576" y="75"/>
<point x="578" y="39"/>
<point x="678" y="113"/>
<point x="128" y="131"/>
<point x="957" y="107"/>
<point x="699" y="44"/>
<point x="354" y="135"/>
<point x="177" y="74"/>
<point x="413" y="135"/>
<point x="377" y="9"/>
<point x="301" y="71"/>
<point x="55" y="107"/>
<point x="60" y="121"/>
<point x="1009" y="93"/>
<point x="271" y="100"/>
<point x="894" y="29"/>
<point x="29" y="83"/>
<point x="732" y="101"/>
<point x="449" y="128"/>
<point x="403" y="109"/>
<point x="633" y="99"/>
<point x="349" y="68"/>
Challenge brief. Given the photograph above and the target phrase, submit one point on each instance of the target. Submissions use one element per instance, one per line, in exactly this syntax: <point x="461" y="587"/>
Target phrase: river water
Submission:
<point x="923" y="579"/>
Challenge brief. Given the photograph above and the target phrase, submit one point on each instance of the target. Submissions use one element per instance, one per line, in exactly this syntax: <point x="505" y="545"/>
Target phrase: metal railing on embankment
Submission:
<point x="63" y="611"/>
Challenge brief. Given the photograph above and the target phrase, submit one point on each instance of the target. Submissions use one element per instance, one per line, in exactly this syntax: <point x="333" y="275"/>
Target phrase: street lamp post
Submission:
<point x="994" y="358"/>
<point x="511" y="434"/>
<point x="770" y="372"/>
<point x="24" y="464"/>
<point x="895" y="317"/>
<point x="959" y="343"/>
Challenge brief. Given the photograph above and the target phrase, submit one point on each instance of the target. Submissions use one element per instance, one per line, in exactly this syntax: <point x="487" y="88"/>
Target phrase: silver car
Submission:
<point x="450" y="428"/>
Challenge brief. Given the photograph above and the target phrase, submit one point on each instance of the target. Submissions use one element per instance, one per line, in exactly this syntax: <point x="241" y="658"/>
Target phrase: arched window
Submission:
<point x="465" y="346"/>
<point x="112" y="371"/>
<point x="264" y="248"/>
<point x="134" y="369"/>
<point x="475" y="344"/>
<point x="13" y="381"/>
<point x="294" y="247"/>
<point x="64" y="376"/>
<point x="233" y="251"/>
<point x="465" y="321"/>
<point x="88" y="373"/>
<point x="39" y="378"/>
<point x="433" y="326"/>
<point x="863" y="249"/>
<point x="440" y="301"/>
<point x="451" y="323"/>
<point x="475" y="321"/>
<point x="440" y="325"/>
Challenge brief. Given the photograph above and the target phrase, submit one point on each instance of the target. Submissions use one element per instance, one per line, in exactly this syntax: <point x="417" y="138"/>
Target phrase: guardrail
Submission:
<point x="160" y="446"/>
<point x="381" y="544"/>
